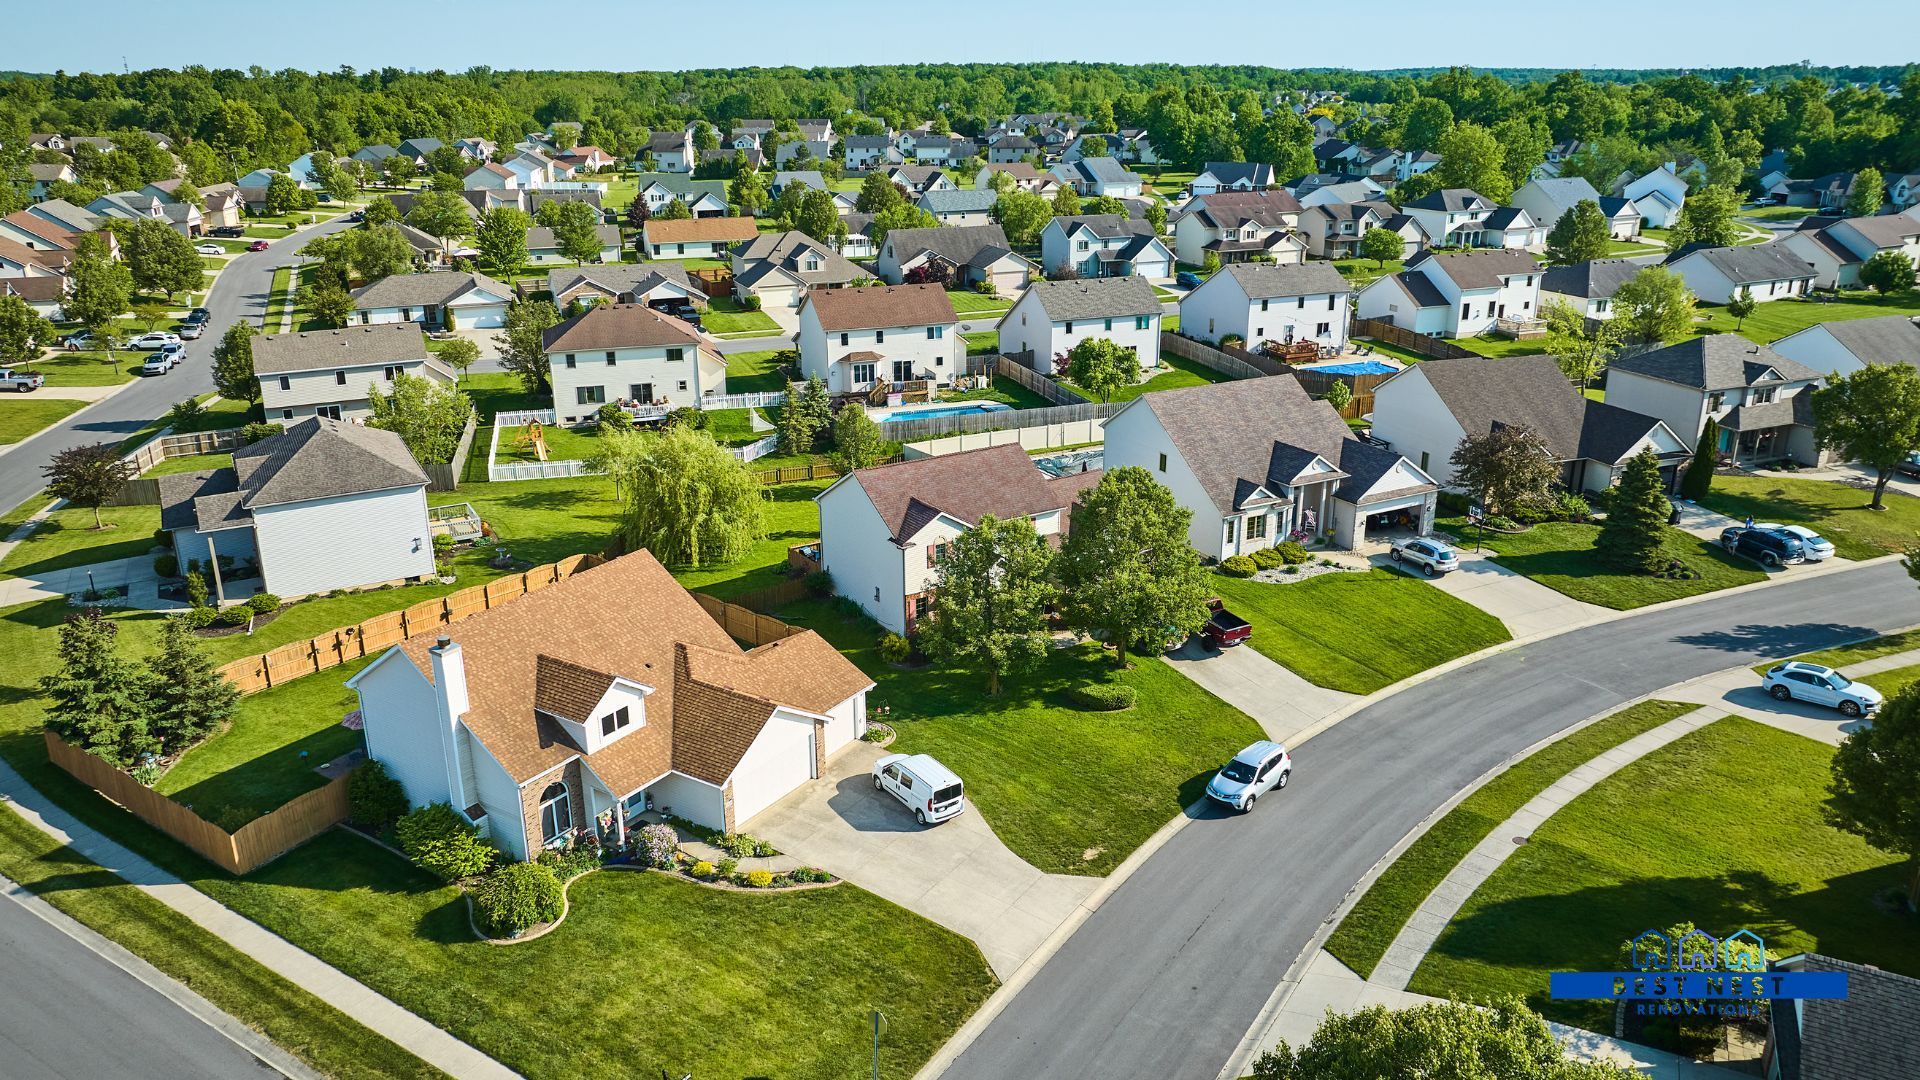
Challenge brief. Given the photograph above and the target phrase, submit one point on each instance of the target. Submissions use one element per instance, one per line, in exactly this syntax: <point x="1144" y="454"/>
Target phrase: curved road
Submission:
<point x="1168" y="975"/>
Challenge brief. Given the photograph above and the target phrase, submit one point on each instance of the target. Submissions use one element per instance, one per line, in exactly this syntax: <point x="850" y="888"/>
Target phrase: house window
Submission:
<point x="1300" y="304"/>
<point x="1716" y="401"/>
<point x="340" y="378"/>
<point x="1069" y="326"/>
<point x="1108" y="325"/>
<point x="1762" y="397"/>
<point x="674" y="356"/>
<point x="1257" y="527"/>
<point x="286" y="414"/>
<point x="609" y="355"/>
<point x="843" y="339"/>
<point x="390" y="371"/>
<point x="1466" y="311"/>
<point x="1263" y="305"/>
<point x="1330" y="301"/>
<point x="569" y="359"/>
<point x="285" y="383"/>
<point x="1143" y="322"/>
<point x="556" y="813"/>
<point x="1423" y="461"/>
<point x="863" y="373"/>
<point x="879" y="337"/>
<point x="920" y="605"/>
<point x="590" y="395"/>
<point x="936" y="332"/>
<point x="681" y="249"/>
<point x="1163" y="463"/>
<point x="1599" y="305"/>
<point x="331" y="412"/>
<point x="1232" y="528"/>
<point x="614" y="721"/>
<point x="680" y="385"/>
<point x="935" y="552"/>
<point x="1323" y="329"/>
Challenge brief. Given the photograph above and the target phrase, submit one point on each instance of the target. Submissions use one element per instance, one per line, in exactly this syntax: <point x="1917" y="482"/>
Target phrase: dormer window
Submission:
<point x="615" y="721"/>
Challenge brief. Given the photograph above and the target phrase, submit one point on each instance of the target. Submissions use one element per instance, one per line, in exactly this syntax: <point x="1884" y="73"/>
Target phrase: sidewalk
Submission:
<point x="423" y="1039"/>
<point x="134" y="575"/>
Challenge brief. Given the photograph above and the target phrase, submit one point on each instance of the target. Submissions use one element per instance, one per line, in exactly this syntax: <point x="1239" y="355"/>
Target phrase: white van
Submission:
<point x="928" y="788"/>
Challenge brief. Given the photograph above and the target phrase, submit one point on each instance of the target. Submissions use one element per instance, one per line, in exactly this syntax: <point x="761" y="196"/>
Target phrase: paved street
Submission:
<point x="1167" y="976"/>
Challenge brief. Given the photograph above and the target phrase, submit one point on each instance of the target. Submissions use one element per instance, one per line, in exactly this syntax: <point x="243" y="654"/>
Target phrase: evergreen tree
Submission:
<point x="1631" y="533"/>
<point x="97" y="700"/>
<point x="1699" y="475"/>
<point x="188" y="697"/>
<point x="806" y="415"/>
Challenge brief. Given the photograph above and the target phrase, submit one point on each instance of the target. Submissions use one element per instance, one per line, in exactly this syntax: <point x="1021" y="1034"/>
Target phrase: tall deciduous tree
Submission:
<point x="674" y="210"/>
<point x="1871" y="792"/>
<point x="989" y="608"/>
<point x="87" y="476"/>
<point x="187" y="697"/>
<point x="877" y="194"/>
<point x="97" y="698"/>
<point x="1582" y="353"/>
<point x="578" y="232"/>
<point x="1503" y="1041"/>
<point x="1707" y="218"/>
<point x="521" y="349"/>
<point x="1871" y="416"/>
<point x="459" y="354"/>
<point x="1066" y="202"/>
<point x="233" y="364"/>
<point x="1382" y="246"/>
<point x="24" y="332"/>
<point x="1022" y="215"/>
<point x="1470" y="157"/>
<point x="101" y="288"/>
<point x="1102" y="368"/>
<point x="160" y="258"/>
<point x="442" y="215"/>
<point x="857" y="441"/>
<point x="818" y="217"/>
<point x="1581" y="235"/>
<point x="1509" y="468"/>
<point x="1128" y="570"/>
<point x="1887" y="272"/>
<point x="689" y="501"/>
<point x="1425" y="121"/>
<point x="329" y="303"/>
<point x="428" y="416"/>
<point x="1654" y="306"/>
<point x="1632" y="532"/>
<point x="1869" y="188"/>
<point x="501" y="239"/>
<point x="748" y="192"/>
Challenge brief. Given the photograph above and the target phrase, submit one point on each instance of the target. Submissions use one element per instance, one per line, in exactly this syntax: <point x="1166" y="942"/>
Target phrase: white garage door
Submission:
<point x="482" y="317"/>
<point x="779" y="760"/>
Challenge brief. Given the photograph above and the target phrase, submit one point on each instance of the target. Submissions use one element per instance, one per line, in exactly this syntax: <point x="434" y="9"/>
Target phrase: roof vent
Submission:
<point x="443" y="641"/>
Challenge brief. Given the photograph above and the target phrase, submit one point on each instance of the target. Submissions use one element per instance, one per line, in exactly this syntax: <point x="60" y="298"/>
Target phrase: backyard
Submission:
<point x="1174" y="373"/>
<point x="755" y="372"/>
<point x="1775" y="319"/>
<point x="1836" y="511"/>
<point x="1559" y="555"/>
<point x="969" y="304"/>
<point x="1358" y="632"/>
<point x="1674" y="837"/>
<point x="725" y="316"/>
<point x="1070" y="791"/>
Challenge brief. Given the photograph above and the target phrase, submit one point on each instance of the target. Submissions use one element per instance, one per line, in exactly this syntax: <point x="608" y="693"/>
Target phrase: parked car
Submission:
<point x="20" y="382"/>
<point x="199" y="314"/>
<point x="928" y="788"/>
<point x="159" y="363"/>
<point x="1816" y="684"/>
<point x="1430" y="555"/>
<point x="158" y="339"/>
<point x="357" y="215"/>
<point x="1224" y="629"/>
<point x="228" y="231"/>
<point x="79" y="339"/>
<point x="210" y="249"/>
<point x="192" y="330"/>
<point x="1265" y="766"/>
<point x="258" y="245"/>
<point x="1187" y="279"/>
<point x="1911" y="466"/>
<point x="1764" y="546"/>
<point x="1817" y="548"/>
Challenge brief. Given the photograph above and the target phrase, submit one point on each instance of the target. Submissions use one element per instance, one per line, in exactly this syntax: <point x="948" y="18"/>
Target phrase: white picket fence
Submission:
<point x="523" y="417"/>
<point x="754" y="451"/>
<point x="744" y="401"/>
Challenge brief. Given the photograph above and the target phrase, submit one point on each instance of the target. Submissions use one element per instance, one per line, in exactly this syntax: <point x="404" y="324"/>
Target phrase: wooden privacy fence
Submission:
<point x="146" y="492"/>
<point x="970" y="423"/>
<point x="347" y="643"/>
<point x="1019" y="368"/>
<point x="1234" y="363"/>
<point x="744" y="623"/>
<point x="1438" y="348"/>
<point x="257" y="842"/>
<point x="1317" y="383"/>
<point x="446" y="477"/>
<point x="794" y="474"/>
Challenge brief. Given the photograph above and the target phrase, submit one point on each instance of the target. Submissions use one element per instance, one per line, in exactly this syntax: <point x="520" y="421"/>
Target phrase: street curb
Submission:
<point x="246" y="1038"/>
<point x="74" y="415"/>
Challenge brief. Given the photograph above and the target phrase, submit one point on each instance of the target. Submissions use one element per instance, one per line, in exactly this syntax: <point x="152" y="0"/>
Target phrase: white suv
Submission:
<point x="1818" y="685"/>
<point x="1426" y="553"/>
<point x="1253" y="772"/>
<point x="927" y="787"/>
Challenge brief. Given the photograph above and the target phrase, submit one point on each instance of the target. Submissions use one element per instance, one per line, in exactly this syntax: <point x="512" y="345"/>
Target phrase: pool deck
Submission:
<point x="922" y="412"/>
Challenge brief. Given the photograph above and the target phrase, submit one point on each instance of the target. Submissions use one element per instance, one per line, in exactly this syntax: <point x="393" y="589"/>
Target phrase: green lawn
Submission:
<point x="1775" y="319"/>
<point x="563" y="443"/>
<point x="1559" y="555"/>
<point x="1405" y="356"/>
<point x="1175" y="373"/>
<point x="63" y="368"/>
<point x="279" y="300"/>
<point x="754" y="372"/>
<point x="190" y="463"/>
<point x="1778" y="213"/>
<point x="1358" y="632"/>
<point x="67" y="538"/>
<point x="1496" y="347"/>
<point x="1069" y="791"/>
<point x="1675" y="837"/>
<point x="1378" y="916"/>
<point x="1623" y="248"/>
<point x="969" y="304"/>
<point x="1004" y="390"/>
<point x="982" y="342"/>
<point x="791" y="518"/>
<point x="1836" y="511"/>
<point x="268" y="756"/>
<point x="726" y="316"/>
<point x="1361" y="271"/>
<point x="23" y="417"/>
<point x="1843" y="655"/>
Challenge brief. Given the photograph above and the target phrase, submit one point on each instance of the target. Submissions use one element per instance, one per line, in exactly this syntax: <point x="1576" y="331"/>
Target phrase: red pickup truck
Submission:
<point x="1224" y="629"/>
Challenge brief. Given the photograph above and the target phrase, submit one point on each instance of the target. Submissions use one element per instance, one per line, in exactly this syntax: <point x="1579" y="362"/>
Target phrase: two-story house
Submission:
<point x="672" y="151"/>
<point x="1220" y="176"/>
<point x="1010" y="147"/>
<point x="1658" y="194"/>
<point x="866" y="152"/>
<point x="961" y="206"/>
<point x="614" y="353"/>
<point x="331" y="373"/>
<point x="1044" y="325"/>
<point x="1099" y="176"/>
<point x="883" y="530"/>
<point x="1456" y="294"/>
<point x="1760" y="399"/>
<point x="1104" y="245"/>
<point x="1836" y="249"/>
<point x="1453" y="217"/>
<point x="1767" y="271"/>
<point x="917" y="180"/>
<point x="1333" y="230"/>
<point x="970" y="253"/>
<point x="780" y="268"/>
<point x="1237" y="225"/>
<point x="1587" y="287"/>
<point x="449" y="299"/>
<point x="703" y="198"/>
<point x="1548" y="200"/>
<point x="1258" y="302"/>
<point x="853" y="339"/>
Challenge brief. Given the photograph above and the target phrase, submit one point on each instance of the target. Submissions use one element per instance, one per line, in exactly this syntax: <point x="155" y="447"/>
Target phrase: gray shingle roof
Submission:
<point x="1268" y="280"/>
<point x="1452" y="200"/>
<point x="316" y="458"/>
<point x="1754" y="262"/>
<point x="1096" y="298"/>
<point x="1531" y="392"/>
<point x="539" y="237"/>
<point x="1873" y="1034"/>
<point x="1713" y="362"/>
<point x="958" y="244"/>
<point x="620" y="278"/>
<point x="353" y="346"/>
<point x="1236" y="172"/>
<point x="959" y="201"/>
<point x="1561" y="194"/>
<point x="1595" y="280"/>
<point x="1105" y="226"/>
<point x="1888" y="339"/>
<point x="1104" y="170"/>
<point x="787" y="251"/>
<point x="417" y="290"/>
<point x="1477" y="269"/>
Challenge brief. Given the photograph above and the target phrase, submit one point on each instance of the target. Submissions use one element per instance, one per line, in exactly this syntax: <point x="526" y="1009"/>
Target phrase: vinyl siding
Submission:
<point x="398" y="710"/>
<point x="859" y="553"/>
<point x="344" y="542"/>
<point x="780" y="759"/>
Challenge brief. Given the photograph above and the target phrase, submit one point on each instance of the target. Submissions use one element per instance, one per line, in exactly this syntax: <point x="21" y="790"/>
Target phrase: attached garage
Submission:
<point x="781" y="758"/>
<point x="478" y="316"/>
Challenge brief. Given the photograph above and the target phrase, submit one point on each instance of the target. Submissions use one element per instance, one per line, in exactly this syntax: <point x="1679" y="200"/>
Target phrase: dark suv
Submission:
<point x="1768" y="547"/>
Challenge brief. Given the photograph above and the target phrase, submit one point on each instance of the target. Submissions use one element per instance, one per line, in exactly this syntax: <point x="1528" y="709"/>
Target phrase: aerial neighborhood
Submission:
<point x="898" y="522"/>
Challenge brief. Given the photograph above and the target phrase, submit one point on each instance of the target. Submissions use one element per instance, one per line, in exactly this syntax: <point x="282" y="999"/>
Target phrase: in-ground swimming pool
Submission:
<point x="1360" y="367"/>
<point x="928" y="412"/>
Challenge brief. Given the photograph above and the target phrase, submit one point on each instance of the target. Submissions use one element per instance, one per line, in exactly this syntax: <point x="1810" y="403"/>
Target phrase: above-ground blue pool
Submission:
<point x="1361" y="367"/>
<point x="928" y="412"/>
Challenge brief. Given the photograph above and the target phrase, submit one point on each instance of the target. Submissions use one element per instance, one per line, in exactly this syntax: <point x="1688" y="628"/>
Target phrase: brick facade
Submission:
<point x="568" y="774"/>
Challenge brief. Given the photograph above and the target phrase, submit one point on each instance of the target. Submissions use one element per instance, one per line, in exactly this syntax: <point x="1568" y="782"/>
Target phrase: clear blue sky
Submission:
<point x="457" y="34"/>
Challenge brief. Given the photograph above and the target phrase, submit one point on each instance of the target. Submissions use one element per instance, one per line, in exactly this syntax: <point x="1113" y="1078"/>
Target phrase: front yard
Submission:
<point x="23" y="418"/>
<point x="1070" y="791"/>
<point x="1836" y="511"/>
<point x="1776" y="319"/>
<point x="724" y="315"/>
<point x="63" y="368"/>
<point x="1358" y="632"/>
<point x="1559" y="555"/>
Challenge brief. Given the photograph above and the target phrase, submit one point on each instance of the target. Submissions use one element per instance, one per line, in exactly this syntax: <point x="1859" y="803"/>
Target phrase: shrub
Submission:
<point x="688" y="416"/>
<point x="1268" y="558"/>
<point x="196" y="589"/>
<point x="726" y="865"/>
<point x="517" y="897"/>
<point x="1238" y="566"/>
<point x="166" y="566"/>
<point x="1452" y="504"/>
<point x="442" y="842"/>
<point x="253" y="433"/>
<point x="742" y="846"/>
<point x="809" y="875"/>
<point x="374" y="799"/>
<point x="703" y="869"/>
<point x="198" y="618"/>
<point x="759" y="879"/>
<point x="820" y="583"/>
<point x="895" y="649"/>
<point x="236" y="615"/>
<point x="579" y="856"/>
<point x="613" y="416"/>
<point x="764" y="850"/>
<point x="657" y="846"/>
<point x="1571" y="507"/>
<point x="1103" y="697"/>
<point x="1293" y="553"/>
<point x="184" y="414"/>
<point x="751" y="303"/>
<point x="230" y="818"/>
<point x="261" y="603"/>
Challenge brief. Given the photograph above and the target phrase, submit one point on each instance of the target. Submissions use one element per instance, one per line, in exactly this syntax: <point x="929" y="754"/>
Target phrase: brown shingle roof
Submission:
<point x="997" y="480"/>
<point x="566" y="689"/>
<point x="702" y="230"/>
<point x="881" y="306"/>
<point x="618" y="326"/>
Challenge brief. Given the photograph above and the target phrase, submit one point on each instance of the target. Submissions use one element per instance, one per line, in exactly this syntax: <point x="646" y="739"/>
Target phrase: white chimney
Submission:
<point x="450" y="700"/>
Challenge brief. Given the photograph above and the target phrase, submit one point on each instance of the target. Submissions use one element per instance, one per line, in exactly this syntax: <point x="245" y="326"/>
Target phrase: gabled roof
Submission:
<point x="700" y="230"/>
<point x="787" y="251"/>
<point x="1594" y="280"/>
<point x="1753" y="262"/>
<point x="959" y="201"/>
<point x="1232" y="209"/>
<point x="1532" y="392"/>
<point x="682" y="185"/>
<point x="1256" y="173"/>
<point x="877" y="307"/>
<point x="1265" y="281"/>
<point x="352" y="346"/>
<point x="1451" y="200"/>
<point x="1100" y="170"/>
<point x="1887" y="339"/>
<point x="1885" y="230"/>
<point x="1713" y="362"/>
<point x="617" y="326"/>
<point x="958" y="244"/>
<point x="1421" y="291"/>
<point x="1476" y="269"/>
<point x="619" y="278"/>
<point x="1561" y="194"/>
<point x="1095" y="298"/>
<point x="1508" y="217"/>
<point x="1105" y="226"/>
<point x="316" y="458"/>
<point x="1871" y="1034"/>
<point x="417" y="290"/>
<point x="541" y="238"/>
<point x="997" y="480"/>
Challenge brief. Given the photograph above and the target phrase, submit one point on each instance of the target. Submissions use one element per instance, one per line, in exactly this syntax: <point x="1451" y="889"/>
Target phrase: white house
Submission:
<point x="1025" y="178"/>
<point x="1220" y="176"/>
<point x="1548" y="200"/>
<point x="1260" y="302"/>
<point x="1768" y="271"/>
<point x="853" y="339"/>
<point x="779" y="268"/>
<point x="1236" y="225"/>
<point x="1847" y="345"/>
<point x="1333" y="230"/>
<point x="1104" y="245"/>
<point x="961" y="206"/>
<point x="1658" y="194"/>
<point x="920" y="179"/>
<point x="581" y="706"/>
<point x="1425" y="411"/>
<point x="1837" y="249"/>
<point x="1588" y="287"/>
<point x="672" y="151"/>
<point x="326" y="505"/>
<point x="1099" y="176"/>
<point x="615" y="353"/>
<point x="493" y="176"/>
<point x="1453" y="217"/>
<point x="695" y="238"/>
<point x="703" y="198"/>
<point x="870" y="151"/>
<point x="1760" y="399"/>
<point x="884" y="529"/>
<point x="1257" y="461"/>
<point x="1054" y="316"/>
<point x="451" y="299"/>
<point x="543" y="247"/>
<point x="1456" y="294"/>
<point x="662" y="284"/>
<point x="332" y="373"/>
<point x="970" y="253"/>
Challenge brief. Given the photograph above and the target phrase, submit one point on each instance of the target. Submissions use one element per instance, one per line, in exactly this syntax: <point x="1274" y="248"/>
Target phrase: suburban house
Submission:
<point x="672" y="151"/>
<point x="1099" y="176"/>
<point x="373" y="154"/>
<point x="1025" y="178"/>
<point x="806" y="178"/>
<point x="972" y="253"/>
<point x="1761" y="399"/>
<point x="1904" y="191"/>
<point x="332" y="373"/>
<point x="543" y="247"/>
<point x="45" y="175"/>
<point x="581" y="706"/>
<point x="1455" y="217"/>
<point x="695" y="238"/>
<point x="961" y="206"/>
<point x="586" y="158"/>
<point x="1322" y="189"/>
<point x="780" y="268"/>
<point x="1658" y="194"/>
<point x="1512" y="227"/>
<point x="1259" y="461"/>
<point x="491" y="176"/>
<point x="880" y="335"/>
<point x="1104" y="245"/>
<point x="418" y="149"/>
<point x="1221" y="176"/>
<point x="1237" y="225"/>
<point x="452" y="299"/>
<point x="920" y="179"/>
<point x="884" y="529"/>
<point x="1867" y="1035"/>
<point x="1548" y="200"/>
<point x="51" y="232"/>
<point x="1456" y="294"/>
<point x="43" y="295"/>
<point x="1425" y="410"/>
<point x="656" y="284"/>
<point x="614" y="353"/>
<point x="326" y="505"/>
<point x="1333" y="230"/>
<point x="1837" y="247"/>
<point x="532" y="167"/>
<point x="870" y="151"/>
<point x="858" y="243"/>
<point x="138" y="206"/>
<point x="1009" y="148"/>
<point x="223" y="207"/>
<point x="944" y="151"/>
<point x="1829" y="193"/>
<point x="1845" y="346"/>
<point x="1587" y="286"/>
<point x="1768" y="271"/>
<point x="1259" y="302"/>
<point x="1053" y="316"/>
<point x="704" y="198"/>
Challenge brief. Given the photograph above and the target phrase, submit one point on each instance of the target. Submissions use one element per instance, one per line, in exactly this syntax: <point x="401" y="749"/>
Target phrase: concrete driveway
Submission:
<point x="1284" y="703"/>
<point x="957" y="873"/>
<point x="1524" y="605"/>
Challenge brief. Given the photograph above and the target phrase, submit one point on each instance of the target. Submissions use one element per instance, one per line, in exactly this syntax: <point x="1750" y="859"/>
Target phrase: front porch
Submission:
<point x="1769" y="432"/>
